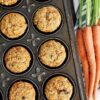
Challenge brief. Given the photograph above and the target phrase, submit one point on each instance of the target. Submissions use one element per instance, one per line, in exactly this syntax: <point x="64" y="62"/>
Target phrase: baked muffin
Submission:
<point x="13" y="25"/>
<point x="47" y="19"/>
<point x="8" y="2"/>
<point x="52" y="53"/>
<point x="22" y="91"/>
<point x="59" y="88"/>
<point x="17" y="59"/>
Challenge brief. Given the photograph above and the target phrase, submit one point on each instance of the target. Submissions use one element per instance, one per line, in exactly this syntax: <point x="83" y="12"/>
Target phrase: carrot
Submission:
<point x="81" y="49"/>
<point x="99" y="80"/>
<point x="88" y="41"/>
<point x="83" y="57"/>
<point x="96" y="40"/>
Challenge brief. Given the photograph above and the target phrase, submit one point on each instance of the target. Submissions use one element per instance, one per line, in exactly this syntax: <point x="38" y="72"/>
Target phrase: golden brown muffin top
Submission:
<point x="13" y="25"/>
<point x="52" y="53"/>
<point x="22" y="91"/>
<point x="58" y="88"/>
<point x="8" y="2"/>
<point x="17" y="59"/>
<point x="47" y="19"/>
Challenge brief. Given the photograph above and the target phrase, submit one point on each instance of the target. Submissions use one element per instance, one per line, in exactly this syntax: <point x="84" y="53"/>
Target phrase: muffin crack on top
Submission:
<point x="47" y="19"/>
<point x="52" y="53"/>
<point x="13" y="25"/>
<point x="58" y="88"/>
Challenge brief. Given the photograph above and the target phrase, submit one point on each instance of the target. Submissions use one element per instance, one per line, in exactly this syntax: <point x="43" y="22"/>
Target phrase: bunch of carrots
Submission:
<point x="88" y="44"/>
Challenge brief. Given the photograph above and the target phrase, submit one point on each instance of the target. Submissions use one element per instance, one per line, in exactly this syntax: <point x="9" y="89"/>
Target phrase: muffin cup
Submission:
<point x="26" y="31"/>
<point x="42" y="1"/>
<point x="24" y="80"/>
<point x="64" y="75"/>
<point x="1" y="95"/>
<point x="48" y="33"/>
<point x="66" y="59"/>
<point x="31" y="62"/>
<point x="12" y="6"/>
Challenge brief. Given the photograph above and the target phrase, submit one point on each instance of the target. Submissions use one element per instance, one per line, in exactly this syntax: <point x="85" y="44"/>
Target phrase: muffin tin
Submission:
<point x="38" y="74"/>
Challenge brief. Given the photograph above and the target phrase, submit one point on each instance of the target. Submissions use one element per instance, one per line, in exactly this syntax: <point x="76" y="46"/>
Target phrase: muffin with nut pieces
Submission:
<point x="8" y="2"/>
<point x="17" y="59"/>
<point x="47" y="19"/>
<point x="52" y="53"/>
<point x="13" y="25"/>
<point x="22" y="90"/>
<point x="58" y="88"/>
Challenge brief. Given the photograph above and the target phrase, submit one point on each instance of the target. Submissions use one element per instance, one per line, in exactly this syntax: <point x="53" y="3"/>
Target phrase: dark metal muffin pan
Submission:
<point x="38" y="74"/>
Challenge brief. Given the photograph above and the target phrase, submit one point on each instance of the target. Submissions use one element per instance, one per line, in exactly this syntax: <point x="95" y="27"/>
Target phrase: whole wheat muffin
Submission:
<point x="8" y="2"/>
<point x="17" y="59"/>
<point x="22" y="91"/>
<point x="59" y="88"/>
<point x="47" y="19"/>
<point x="13" y="25"/>
<point x="52" y="53"/>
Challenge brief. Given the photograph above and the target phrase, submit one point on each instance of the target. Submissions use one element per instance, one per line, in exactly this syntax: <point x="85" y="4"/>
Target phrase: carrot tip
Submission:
<point x="90" y="98"/>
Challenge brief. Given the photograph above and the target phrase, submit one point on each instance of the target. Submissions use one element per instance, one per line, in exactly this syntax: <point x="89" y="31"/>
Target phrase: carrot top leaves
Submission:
<point x="99" y="8"/>
<point x="88" y="12"/>
<point x="80" y="15"/>
<point x="96" y="12"/>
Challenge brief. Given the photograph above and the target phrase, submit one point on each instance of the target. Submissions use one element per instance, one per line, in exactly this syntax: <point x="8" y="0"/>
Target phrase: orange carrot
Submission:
<point x="83" y="57"/>
<point x="88" y="41"/>
<point x="81" y="49"/>
<point x="99" y="80"/>
<point x="96" y="40"/>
